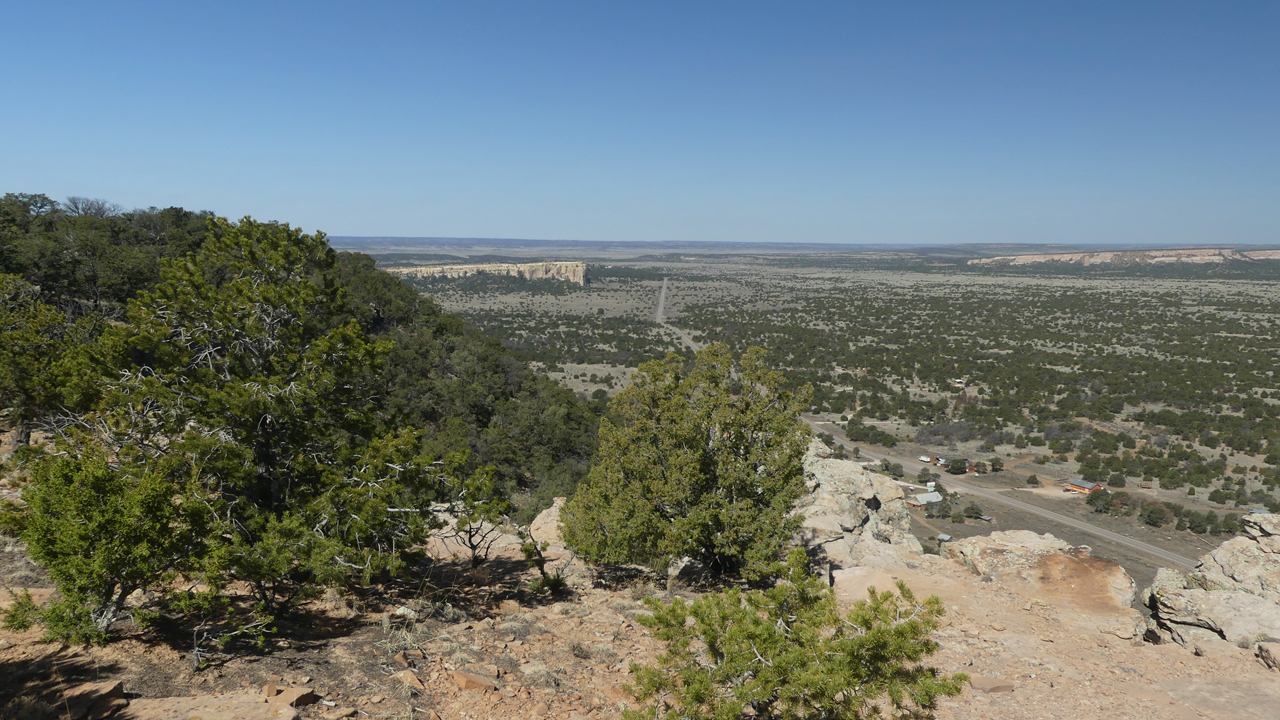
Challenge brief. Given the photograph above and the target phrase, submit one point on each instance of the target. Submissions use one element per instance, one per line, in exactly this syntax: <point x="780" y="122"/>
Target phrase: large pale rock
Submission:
<point x="851" y="512"/>
<point x="1231" y="615"/>
<point x="546" y="526"/>
<point x="1007" y="551"/>
<point x="1250" y="563"/>
<point x="1233" y="594"/>
<point x="231" y="706"/>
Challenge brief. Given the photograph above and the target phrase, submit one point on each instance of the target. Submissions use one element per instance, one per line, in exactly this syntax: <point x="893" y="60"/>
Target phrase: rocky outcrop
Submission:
<point x="856" y="517"/>
<point x="1233" y="594"/>
<point x="1249" y="563"/>
<point x="1002" y="552"/>
<point x="574" y="272"/>
<point x="1047" y="563"/>
<point x="545" y="528"/>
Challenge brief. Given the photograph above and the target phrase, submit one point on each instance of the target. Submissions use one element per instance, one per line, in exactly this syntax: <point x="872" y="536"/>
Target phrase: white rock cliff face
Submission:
<point x="575" y="272"/>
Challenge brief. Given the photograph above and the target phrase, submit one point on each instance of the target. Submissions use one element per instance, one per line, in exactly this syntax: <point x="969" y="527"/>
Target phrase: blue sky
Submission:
<point x="905" y="122"/>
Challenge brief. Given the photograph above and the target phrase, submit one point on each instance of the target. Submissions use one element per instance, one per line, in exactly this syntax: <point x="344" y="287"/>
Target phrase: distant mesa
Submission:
<point x="575" y="272"/>
<point x="1134" y="257"/>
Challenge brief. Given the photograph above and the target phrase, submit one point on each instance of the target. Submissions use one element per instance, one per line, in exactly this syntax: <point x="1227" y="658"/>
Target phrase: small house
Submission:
<point x="944" y="538"/>
<point x="1083" y="487"/>
<point x="919" y="501"/>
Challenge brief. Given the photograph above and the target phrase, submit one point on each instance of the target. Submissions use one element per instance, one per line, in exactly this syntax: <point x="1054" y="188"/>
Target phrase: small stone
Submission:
<point x="408" y="678"/>
<point x="376" y="698"/>
<point x="402" y="660"/>
<point x="270" y="690"/>
<point x="472" y="681"/>
<point x="539" y="709"/>
<point x="414" y="653"/>
<point x="295" y="697"/>
<point x="1269" y="654"/>
<point x="339" y="713"/>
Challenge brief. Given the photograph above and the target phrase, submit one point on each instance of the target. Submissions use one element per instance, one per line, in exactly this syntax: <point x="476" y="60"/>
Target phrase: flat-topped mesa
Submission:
<point x="1134" y="257"/>
<point x="575" y="272"/>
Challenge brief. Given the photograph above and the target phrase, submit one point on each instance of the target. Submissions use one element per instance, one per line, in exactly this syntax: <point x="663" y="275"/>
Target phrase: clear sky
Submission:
<point x="1077" y="122"/>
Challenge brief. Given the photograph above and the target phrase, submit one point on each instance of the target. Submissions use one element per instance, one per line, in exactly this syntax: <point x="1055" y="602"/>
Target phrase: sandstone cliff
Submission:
<point x="1131" y="257"/>
<point x="575" y="272"/>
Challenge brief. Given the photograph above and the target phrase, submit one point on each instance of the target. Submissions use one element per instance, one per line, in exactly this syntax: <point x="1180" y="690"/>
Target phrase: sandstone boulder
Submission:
<point x="852" y="513"/>
<point x="1250" y="563"/>
<point x="1007" y="551"/>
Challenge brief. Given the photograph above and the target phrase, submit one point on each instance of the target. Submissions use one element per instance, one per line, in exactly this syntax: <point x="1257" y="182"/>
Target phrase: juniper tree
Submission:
<point x="239" y="363"/>
<point x="700" y="461"/>
<point x="105" y="532"/>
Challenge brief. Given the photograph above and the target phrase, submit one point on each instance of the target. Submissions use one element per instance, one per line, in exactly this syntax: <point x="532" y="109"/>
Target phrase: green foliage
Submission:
<point x="890" y="468"/>
<point x="91" y="250"/>
<point x="263" y="386"/>
<point x="856" y="431"/>
<point x="104" y="533"/>
<point x="701" y="462"/>
<point x="786" y="653"/>
<point x="34" y="338"/>
<point x="23" y="612"/>
<point x="1154" y="515"/>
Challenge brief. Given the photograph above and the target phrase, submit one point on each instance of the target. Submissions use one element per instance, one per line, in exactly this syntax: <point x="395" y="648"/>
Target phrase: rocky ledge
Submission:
<point x="1232" y="596"/>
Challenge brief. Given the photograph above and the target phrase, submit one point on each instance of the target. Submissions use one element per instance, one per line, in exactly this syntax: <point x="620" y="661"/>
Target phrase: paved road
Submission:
<point x="952" y="483"/>
<point x="912" y="464"/>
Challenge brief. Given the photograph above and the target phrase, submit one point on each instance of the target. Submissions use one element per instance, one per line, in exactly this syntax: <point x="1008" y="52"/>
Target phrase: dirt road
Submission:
<point x="660" y="318"/>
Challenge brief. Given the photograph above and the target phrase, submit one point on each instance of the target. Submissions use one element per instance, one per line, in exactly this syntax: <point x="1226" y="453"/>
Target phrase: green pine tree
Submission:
<point x="786" y="653"/>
